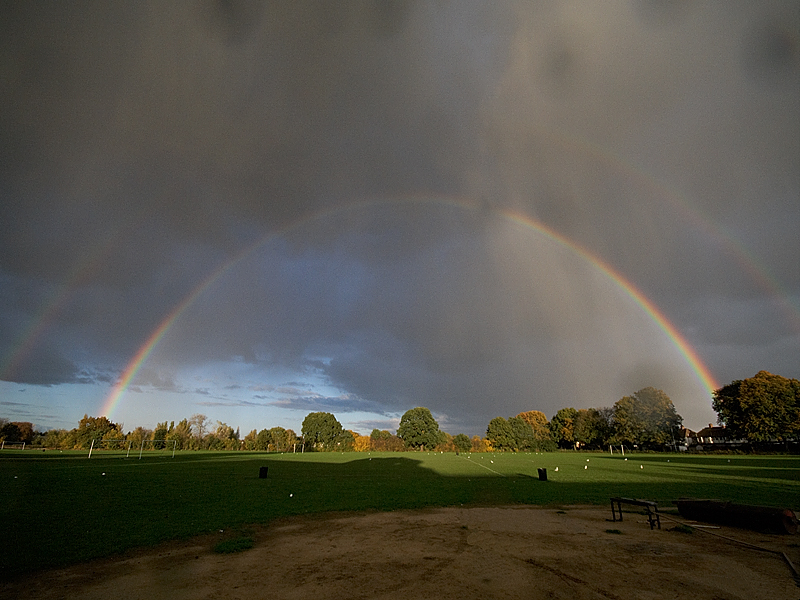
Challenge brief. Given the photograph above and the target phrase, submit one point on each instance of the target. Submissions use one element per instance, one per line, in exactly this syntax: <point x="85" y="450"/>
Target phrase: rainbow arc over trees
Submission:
<point x="686" y="350"/>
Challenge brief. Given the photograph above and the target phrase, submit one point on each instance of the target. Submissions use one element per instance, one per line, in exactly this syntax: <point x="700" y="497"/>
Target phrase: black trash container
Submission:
<point x="262" y="472"/>
<point x="542" y="474"/>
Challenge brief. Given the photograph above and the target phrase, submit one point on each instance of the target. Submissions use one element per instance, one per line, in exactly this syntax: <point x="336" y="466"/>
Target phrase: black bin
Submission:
<point x="262" y="472"/>
<point x="542" y="474"/>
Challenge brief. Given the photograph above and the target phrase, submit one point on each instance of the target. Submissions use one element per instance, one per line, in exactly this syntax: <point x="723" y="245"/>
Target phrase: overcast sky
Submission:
<point x="363" y="207"/>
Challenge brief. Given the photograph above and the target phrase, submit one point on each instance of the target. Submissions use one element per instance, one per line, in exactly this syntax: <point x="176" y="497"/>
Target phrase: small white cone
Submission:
<point x="585" y="466"/>
<point x="641" y="466"/>
<point x="556" y="468"/>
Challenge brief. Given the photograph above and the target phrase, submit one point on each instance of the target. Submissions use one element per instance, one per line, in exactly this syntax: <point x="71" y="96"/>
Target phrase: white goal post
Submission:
<point x="9" y="445"/>
<point x="96" y="444"/>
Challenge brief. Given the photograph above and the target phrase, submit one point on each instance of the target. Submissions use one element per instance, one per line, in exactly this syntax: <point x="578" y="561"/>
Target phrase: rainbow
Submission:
<point x="652" y="311"/>
<point x="759" y="273"/>
<point x="755" y="269"/>
<point x="691" y="357"/>
<point x="151" y="342"/>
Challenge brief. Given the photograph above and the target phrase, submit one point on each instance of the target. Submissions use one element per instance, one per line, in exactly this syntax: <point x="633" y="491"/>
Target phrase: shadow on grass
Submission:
<point x="61" y="511"/>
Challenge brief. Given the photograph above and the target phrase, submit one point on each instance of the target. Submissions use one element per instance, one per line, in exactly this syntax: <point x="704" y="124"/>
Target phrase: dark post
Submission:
<point x="542" y="474"/>
<point x="262" y="472"/>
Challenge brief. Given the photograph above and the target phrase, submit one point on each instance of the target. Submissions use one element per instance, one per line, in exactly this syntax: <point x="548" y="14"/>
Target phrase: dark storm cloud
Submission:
<point x="144" y="145"/>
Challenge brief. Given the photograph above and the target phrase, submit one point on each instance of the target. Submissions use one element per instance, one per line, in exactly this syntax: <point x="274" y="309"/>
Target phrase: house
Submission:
<point x="686" y="438"/>
<point x="711" y="435"/>
<point x="715" y="437"/>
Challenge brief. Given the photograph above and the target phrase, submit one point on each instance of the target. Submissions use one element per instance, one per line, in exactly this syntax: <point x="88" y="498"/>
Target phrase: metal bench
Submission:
<point x="652" y="509"/>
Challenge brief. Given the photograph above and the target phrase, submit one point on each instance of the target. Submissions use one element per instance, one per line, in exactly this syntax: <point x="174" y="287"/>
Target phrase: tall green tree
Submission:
<point x="647" y="417"/>
<point x="462" y="442"/>
<point x="762" y="408"/>
<point x="263" y="440"/>
<point x="593" y="426"/>
<point x="321" y="431"/>
<point x="542" y="439"/>
<point x="524" y="436"/>
<point x="500" y="434"/>
<point x="418" y="429"/>
<point x="9" y="432"/>
<point x="562" y="427"/>
<point x="159" y="434"/>
<point x="344" y="441"/>
<point x="92" y="428"/>
<point x="182" y="433"/>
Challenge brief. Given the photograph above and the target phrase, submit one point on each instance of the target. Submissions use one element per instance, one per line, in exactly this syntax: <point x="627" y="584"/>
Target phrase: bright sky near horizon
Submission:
<point x="258" y="210"/>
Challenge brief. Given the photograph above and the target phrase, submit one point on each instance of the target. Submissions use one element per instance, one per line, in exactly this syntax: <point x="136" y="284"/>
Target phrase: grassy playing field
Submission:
<point x="58" y="508"/>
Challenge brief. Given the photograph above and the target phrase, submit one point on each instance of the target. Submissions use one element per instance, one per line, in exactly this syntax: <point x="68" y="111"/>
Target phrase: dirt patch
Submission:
<point x="514" y="552"/>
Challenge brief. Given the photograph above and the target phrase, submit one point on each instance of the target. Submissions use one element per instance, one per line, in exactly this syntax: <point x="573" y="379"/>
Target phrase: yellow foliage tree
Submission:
<point x="538" y="422"/>
<point x="480" y="444"/>
<point x="361" y="443"/>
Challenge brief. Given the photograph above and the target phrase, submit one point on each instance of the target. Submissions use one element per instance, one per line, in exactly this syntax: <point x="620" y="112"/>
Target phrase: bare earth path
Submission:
<point x="512" y="552"/>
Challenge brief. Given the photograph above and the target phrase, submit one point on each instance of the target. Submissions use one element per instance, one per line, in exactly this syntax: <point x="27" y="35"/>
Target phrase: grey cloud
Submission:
<point x="143" y="146"/>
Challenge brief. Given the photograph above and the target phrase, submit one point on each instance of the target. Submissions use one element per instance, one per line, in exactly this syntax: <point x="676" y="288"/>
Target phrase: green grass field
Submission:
<point x="60" y="508"/>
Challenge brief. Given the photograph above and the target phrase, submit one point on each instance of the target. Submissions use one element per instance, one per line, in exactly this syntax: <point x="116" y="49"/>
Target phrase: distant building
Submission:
<point x="686" y="438"/>
<point x="712" y="435"/>
<point x="716" y="437"/>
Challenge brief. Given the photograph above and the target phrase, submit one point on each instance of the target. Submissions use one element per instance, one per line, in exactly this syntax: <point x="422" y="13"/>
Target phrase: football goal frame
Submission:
<point x="12" y="445"/>
<point x="130" y="446"/>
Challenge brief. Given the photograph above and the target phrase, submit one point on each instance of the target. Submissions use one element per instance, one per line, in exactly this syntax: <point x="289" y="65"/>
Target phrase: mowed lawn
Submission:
<point x="59" y="508"/>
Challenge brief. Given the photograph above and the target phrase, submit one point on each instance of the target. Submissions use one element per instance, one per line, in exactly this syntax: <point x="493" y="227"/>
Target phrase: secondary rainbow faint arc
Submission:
<point x="655" y="314"/>
<point x="757" y="271"/>
<point x="661" y="320"/>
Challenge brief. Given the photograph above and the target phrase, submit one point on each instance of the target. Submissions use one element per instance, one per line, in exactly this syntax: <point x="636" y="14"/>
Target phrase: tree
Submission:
<point x="382" y="440"/>
<point x="21" y="431"/>
<point x="762" y="408"/>
<point x="199" y="423"/>
<point x="9" y="432"/>
<point x="562" y="427"/>
<point x="92" y="428"/>
<point x="344" y="441"/>
<point x="263" y="440"/>
<point x="524" y="436"/>
<point x="380" y="434"/>
<point x="114" y="438"/>
<point x="480" y="444"/>
<point x="418" y="428"/>
<point x="362" y="443"/>
<point x="136" y="436"/>
<point x="501" y="434"/>
<point x="321" y="431"/>
<point x="462" y="442"/>
<point x="250" y="440"/>
<point x="542" y="440"/>
<point x="593" y="427"/>
<point x="182" y="434"/>
<point x="445" y="443"/>
<point x="160" y="433"/>
<point x="277" y="439"/>
<point x="647" y="417"/>
<point x="224" y="438"/>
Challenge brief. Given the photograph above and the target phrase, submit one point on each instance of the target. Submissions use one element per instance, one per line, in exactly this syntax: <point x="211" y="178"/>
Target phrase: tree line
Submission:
<point x="762" y="408"/>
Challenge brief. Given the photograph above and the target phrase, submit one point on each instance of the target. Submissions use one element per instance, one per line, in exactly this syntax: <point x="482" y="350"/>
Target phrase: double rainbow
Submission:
<point x="690" y="355"/>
